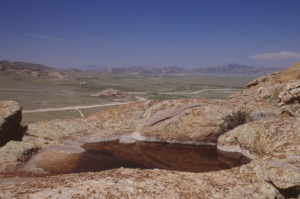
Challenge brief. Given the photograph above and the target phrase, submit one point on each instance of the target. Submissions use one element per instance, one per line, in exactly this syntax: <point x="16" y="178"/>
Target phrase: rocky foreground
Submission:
<point x="270" y="137"/>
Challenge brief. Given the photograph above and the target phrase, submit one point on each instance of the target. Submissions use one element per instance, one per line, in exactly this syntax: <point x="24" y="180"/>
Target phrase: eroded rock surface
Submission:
<point x="279" y="92"/>
<point x="187" y="120"/>
<point x="15" y="152"/>
<point x="136" y="183"/>
<point x="275" y="143"/>
<point x="270" y="138"/>
<point x="291" y="73"/>
<point x="274" y="172"/>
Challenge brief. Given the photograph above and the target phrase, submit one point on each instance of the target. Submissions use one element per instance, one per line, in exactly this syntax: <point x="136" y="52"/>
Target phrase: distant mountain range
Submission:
<point x="144" y="70"/>
<point x="37" y="70"/>
<point x="236" y="69"/>
<point x="227" y="69"/>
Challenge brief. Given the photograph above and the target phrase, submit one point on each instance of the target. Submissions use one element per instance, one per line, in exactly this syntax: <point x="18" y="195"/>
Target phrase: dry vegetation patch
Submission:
<point x="233" y="120"/>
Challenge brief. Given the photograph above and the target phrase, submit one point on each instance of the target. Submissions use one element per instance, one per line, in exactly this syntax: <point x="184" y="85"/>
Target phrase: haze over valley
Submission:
<point x="38" y="86"/>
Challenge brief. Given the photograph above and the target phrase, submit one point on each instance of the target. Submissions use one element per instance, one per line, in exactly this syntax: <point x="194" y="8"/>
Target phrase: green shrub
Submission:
<point x="233" y="120"/>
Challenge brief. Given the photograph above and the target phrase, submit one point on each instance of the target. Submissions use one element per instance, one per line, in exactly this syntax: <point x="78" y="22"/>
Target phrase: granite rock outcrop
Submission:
<point x="270" y="138"/>
<point x="284" y="76"/>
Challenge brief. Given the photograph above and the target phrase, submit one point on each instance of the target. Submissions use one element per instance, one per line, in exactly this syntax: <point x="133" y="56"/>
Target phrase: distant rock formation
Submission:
<point x="226" y="69"/>
<point x="110" y="92"/>
<point x="29" y="69"/>
<point x="235" y="69"/>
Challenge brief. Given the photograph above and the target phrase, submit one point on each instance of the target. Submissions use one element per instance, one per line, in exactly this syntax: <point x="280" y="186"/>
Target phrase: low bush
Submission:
<point x="233" y="120"/>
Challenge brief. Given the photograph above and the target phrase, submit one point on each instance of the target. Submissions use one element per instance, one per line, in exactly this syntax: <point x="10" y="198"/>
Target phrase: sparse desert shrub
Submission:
<point x="233" y="120"/>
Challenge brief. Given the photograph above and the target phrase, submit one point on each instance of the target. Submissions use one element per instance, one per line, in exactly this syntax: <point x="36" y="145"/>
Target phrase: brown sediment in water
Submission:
<point x="179" y="157"/>
<point x="145" y="155"/>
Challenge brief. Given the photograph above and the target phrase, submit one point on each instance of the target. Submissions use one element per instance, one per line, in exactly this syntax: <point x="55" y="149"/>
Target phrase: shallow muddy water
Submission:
<point x="145" y="155"/>
<point x="180" y="157"/>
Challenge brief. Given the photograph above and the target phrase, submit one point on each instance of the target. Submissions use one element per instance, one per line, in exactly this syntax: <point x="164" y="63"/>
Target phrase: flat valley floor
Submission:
<point x="35" y="93"/>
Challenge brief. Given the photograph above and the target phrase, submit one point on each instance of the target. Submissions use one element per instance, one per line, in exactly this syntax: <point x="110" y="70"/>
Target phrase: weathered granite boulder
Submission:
<point x="14" y="152"/>
<point x="10" y="119"/>
<point x="193" y="120"/>
<point x="290" y="94"/>
<point x="275" y="143"/>
<point x="291" y="73"/>
<point x="279" y="97"/>
<point x="182" y="121"/>
<point x="263" y="137"/>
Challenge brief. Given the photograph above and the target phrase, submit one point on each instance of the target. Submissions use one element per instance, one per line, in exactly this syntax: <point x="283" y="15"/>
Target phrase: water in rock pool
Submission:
<point x="148" y="155"/>
<point x="145" y="155"/>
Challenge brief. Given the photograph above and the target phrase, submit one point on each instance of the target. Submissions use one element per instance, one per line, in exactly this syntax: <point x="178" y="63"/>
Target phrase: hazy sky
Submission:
<point x="186" y="33"/>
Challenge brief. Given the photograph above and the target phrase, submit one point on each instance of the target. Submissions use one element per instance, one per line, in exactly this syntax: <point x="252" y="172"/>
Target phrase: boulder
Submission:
<point x="295" y="92"/>
<point x="10" y="119"/>
<point x="287" y="98"/>
<point x="275" y="143"/>
<point x="290" y="93"/>
<point x="189" y="120"/>
<point x="14" y="152"/>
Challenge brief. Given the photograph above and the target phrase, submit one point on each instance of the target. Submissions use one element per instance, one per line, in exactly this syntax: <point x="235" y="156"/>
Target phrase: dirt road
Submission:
<point x="80" y="107"/>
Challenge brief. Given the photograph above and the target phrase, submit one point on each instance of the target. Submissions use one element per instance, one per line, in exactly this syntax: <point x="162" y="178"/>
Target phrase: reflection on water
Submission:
<point x="108" y="155"/>
<point x="145" y="155"/>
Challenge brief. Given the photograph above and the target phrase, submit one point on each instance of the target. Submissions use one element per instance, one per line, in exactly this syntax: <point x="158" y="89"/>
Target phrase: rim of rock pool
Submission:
<point x="106" y="155"/>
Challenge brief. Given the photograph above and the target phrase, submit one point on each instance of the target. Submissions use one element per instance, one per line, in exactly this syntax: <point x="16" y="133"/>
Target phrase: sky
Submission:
<point x="118" y="33"/>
